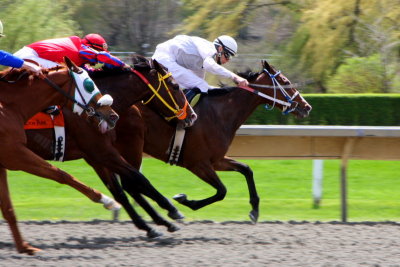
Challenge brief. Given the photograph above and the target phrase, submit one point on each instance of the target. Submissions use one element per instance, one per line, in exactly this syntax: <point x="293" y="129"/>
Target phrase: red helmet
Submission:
<point x="96" y="41"/>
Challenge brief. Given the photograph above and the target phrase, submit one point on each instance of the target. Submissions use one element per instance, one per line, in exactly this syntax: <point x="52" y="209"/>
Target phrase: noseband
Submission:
<point x="180" y="113"/>
<point x="290" y="104"/>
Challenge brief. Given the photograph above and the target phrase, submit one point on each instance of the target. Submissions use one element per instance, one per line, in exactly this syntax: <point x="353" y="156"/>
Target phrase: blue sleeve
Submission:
<point x="10" y="60"/>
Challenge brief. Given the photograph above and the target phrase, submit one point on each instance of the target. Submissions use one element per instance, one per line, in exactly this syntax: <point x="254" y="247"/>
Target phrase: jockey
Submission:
<point x="92" y="49"/>
<point x="189" y="57"/>
<point x="9" y="60"/>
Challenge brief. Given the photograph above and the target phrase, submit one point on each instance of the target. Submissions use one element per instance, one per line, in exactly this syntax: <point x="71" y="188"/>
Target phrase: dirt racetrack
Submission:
<point x="236" y="244"/>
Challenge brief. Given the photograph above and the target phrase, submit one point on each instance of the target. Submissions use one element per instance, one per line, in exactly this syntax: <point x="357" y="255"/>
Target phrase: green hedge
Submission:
<point x="339" y="109"/>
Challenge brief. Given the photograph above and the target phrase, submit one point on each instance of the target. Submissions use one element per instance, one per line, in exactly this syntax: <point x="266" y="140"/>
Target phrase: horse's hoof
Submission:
<point x="253" y="216"/>
<point x="176" y="215"/>
<point x="180" y="197"/>
<point x="28" y="249"/>
<point x="173" y="228"/>
<point x="154" y="234"/>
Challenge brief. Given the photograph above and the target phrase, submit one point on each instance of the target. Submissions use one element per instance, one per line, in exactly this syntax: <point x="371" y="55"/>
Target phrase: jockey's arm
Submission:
<point x="9" y="60"/>
<point x="93" y="57"/>
<point x="211" y="66"/>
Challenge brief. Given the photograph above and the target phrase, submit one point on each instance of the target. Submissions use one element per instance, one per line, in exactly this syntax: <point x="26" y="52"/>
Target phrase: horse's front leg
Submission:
<point x="9" y="215"/>
<point x="137" y="183"/>
<point x="228" y="164"/>
<point x="153" y="213"/>
<point x="111" y="182"/>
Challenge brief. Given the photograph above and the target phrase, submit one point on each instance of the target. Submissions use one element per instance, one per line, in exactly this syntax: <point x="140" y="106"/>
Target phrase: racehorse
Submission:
<point x="205" y="145"/>
<point x="126" y="88"/>
<point x="21" y="99"/>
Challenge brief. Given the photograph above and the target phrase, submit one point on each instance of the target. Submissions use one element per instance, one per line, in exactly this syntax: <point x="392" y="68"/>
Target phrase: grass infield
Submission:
<point x="284" y="187"/>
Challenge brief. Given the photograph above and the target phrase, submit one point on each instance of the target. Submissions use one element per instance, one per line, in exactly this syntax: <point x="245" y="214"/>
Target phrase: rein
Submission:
<point x="179" y="113"/>
<point x="275" y="85"/>
<point x="3" y="78"/>
<point x="90" y="111"/>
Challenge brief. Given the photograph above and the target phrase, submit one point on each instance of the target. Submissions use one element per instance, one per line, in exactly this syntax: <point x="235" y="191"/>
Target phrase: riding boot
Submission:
<point x="191" y="93"/>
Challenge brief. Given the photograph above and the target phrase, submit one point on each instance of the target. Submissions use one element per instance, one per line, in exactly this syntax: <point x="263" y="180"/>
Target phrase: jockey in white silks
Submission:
<point x="189" y="57"/>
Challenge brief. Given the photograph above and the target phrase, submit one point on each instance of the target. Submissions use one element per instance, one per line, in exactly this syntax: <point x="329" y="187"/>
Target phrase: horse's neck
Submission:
<point x="124" y="90"/>
<point x="232" y="109"/>
<point x="32" y="98"/>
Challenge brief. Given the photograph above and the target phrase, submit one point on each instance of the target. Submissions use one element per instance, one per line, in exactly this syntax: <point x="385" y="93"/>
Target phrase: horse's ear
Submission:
<point x="156" y="65"/>
<point x="71" y="65"/>
<point x="266" y="65"/>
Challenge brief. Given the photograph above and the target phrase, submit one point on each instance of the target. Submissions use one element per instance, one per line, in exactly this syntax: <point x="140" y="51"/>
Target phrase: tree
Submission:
<point x="334" y="30"/>
<point x="358" y="75"/>
<point x="130" y="25"/>
<point x="27" y="21"/>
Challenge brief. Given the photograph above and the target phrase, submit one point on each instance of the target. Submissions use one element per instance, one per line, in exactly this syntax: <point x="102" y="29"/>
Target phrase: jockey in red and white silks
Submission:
<point x="189" y="57"/>
<point x="91" y="49"/>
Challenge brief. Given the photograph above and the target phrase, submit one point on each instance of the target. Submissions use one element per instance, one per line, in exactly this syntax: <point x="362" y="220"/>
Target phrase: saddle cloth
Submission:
<point x="44" y="120"/>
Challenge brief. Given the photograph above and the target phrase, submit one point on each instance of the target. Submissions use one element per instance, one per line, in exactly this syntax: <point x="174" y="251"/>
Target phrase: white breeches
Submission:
<point x="29" y="53"/>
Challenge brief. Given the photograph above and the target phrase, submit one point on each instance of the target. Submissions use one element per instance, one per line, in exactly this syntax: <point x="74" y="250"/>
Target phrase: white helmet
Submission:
<point x="228" y="44"/>
<point x="1" y="29"/>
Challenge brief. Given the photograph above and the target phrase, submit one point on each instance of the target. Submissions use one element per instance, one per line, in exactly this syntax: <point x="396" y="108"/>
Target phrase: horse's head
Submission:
<point x="166" y="97"/>
<point x="277" y="90"/>
<point x="88" y="98"/>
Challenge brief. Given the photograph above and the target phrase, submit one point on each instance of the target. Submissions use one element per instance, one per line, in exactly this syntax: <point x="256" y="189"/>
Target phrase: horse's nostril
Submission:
<point x="193" y="117"/>
<point x="114" y="117"/>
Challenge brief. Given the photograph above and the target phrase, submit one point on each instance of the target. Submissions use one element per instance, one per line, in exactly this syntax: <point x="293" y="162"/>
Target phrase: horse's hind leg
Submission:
<point x="9" y="215"/>
<point x="228" y="164"/>
<point x="207" y="174"/>
<point x="29" y="162"/>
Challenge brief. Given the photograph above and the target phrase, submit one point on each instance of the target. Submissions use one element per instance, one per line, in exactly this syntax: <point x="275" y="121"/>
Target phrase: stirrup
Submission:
<point x="52" y="110"/>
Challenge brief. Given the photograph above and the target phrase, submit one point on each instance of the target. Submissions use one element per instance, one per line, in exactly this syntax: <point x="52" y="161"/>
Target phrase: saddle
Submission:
<point x="53" y="120"/>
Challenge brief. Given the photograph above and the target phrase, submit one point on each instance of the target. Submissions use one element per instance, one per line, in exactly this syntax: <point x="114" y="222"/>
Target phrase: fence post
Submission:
<point x="318" y="173"/>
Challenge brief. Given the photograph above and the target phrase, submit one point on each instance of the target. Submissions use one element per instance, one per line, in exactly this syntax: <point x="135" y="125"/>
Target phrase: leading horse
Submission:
<point x="149" y="82"/>
<point x="20" y="100"/>
<point x="206" y="143"/>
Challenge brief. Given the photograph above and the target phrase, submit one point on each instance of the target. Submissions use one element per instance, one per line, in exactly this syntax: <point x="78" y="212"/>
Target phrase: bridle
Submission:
<point x="90" y="111"/>
<point x="179" y="113"/>
<point x="289" y="104"/>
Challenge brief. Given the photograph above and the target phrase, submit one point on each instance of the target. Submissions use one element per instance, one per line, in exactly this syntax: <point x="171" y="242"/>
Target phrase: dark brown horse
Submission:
<point x="126" y="88"/>
<point x="206" y="143"/>
<point x="20" y="100"/>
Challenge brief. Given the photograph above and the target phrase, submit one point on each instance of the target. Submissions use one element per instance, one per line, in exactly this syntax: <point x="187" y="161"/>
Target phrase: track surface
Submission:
<point x="236" y="244"/>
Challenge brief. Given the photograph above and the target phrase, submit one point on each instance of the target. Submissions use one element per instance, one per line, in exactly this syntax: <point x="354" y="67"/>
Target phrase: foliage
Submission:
<point x="27" y="21"/>
<point x="358" y="75"/>
<point x="334" y="30"/>
<point x="133" y="25"/>
<point x="339" y="109"/>
<point x="213" y="18"/>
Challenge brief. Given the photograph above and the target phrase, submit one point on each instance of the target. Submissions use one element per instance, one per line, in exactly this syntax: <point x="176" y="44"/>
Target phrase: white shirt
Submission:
<point x="187" y="58"/>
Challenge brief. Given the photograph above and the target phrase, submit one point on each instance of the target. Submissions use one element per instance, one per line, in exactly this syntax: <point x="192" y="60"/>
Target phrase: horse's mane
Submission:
<point x="221" y="91"/>
<point x="248" y="74"/>
<point x="106" y="72"/>
<point x="140" y="62"/>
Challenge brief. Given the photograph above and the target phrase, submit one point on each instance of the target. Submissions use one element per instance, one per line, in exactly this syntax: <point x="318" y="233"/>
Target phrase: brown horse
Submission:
<point x="205" y="145"/>
<point x="20" y="100"/>
<point x="126" y="88"/>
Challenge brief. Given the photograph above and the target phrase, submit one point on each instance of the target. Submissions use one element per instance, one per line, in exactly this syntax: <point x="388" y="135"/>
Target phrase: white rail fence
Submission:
<point x="318" y="143"/>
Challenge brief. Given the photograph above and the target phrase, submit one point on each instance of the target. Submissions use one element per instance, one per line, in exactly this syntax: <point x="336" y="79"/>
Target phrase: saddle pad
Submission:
<point x="43" y="120"/>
